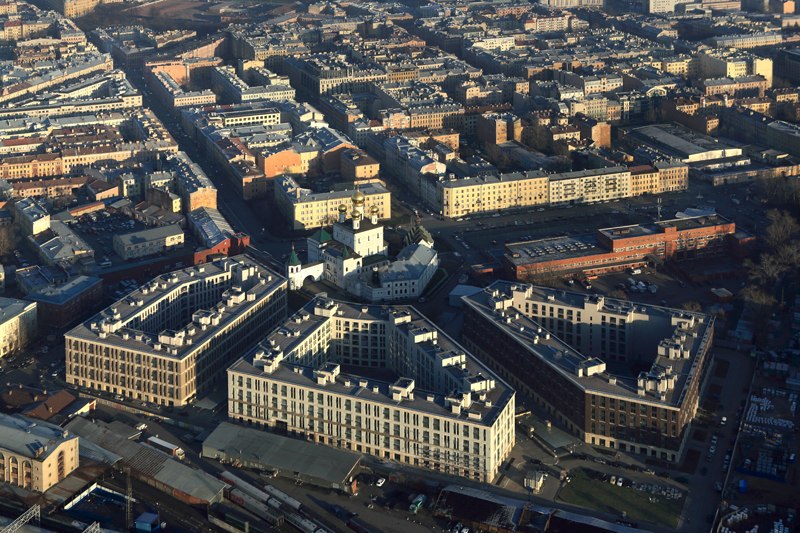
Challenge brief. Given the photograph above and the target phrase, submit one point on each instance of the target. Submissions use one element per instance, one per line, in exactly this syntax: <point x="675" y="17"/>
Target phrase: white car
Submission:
<point x="380" y="482"/>
<point x="619" y="482"/>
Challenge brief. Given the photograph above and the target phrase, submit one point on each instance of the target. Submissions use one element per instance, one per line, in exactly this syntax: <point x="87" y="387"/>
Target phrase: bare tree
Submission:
<point x="782" y="229"/>
<point x="758" y="296"/>
<point x="692" y="305"/>
<point x="8" y="240"/>
<point x="766" y="271"/>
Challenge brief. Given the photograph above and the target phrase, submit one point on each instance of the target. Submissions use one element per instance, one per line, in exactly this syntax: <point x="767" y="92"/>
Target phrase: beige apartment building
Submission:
<point x="460" y="197"/>
<point x="305" y="209"/>
<point x="644" y="180"/>
<point x="170" y="341"/>
<point x="590" y="186"/>
<point x="34" y="454"/>
<point x="441" y="409"/>
<point x="18" y="324"/>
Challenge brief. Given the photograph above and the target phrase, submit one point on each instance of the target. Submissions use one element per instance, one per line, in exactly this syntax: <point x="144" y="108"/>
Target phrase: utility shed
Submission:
<point x="292" y="458"/>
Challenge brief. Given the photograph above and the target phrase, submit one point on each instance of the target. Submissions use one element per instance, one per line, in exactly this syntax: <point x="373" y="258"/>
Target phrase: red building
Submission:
<point x="614" y="249"/>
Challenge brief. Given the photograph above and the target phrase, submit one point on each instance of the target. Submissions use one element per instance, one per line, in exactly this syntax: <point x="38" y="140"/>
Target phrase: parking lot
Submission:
<point x="98" y="229"/>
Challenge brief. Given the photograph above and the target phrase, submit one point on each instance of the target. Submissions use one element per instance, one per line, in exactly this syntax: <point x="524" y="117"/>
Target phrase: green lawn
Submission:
<point x="602" y="496"/>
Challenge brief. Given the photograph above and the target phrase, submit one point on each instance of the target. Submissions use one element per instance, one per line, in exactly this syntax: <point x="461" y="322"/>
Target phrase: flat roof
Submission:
<point x="666" y="324"/>
<point x="116" y="325"/>
<point x="283" y="453"/>
<point x="553" y="249"/>
<point x="680" y="224"/>
<point x="320" y="312"/>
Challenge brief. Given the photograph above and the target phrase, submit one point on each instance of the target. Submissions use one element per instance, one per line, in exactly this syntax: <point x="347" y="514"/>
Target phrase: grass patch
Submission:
<point x="599" y="495"/>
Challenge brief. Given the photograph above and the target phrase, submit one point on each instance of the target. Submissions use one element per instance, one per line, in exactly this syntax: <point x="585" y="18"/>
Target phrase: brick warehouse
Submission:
<point x="614" y="249"/>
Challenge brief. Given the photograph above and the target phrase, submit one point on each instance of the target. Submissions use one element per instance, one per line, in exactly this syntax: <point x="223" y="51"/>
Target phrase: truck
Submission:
<point x="166" y="447"/>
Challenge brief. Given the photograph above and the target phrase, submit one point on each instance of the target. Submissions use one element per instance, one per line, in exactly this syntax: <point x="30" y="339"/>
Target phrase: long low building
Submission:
<point x="614" y="249"/>
<point x="410" y="393"/>
<point x="169" y="341"/>
<point x="577" y="356"/>
<point x="147" y="242"/>
<point x="298" y="460"/>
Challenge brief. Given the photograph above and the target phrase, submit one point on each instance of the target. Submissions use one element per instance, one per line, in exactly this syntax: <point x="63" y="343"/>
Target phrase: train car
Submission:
<point x="359" y="526"/>
<point x="283" y="497"/>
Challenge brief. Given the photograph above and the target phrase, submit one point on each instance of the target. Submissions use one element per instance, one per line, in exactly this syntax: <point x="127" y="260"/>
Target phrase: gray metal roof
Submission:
<point x="150" y="463"/>
<point x="29" y="437"/>
<point x="285" y="454"/>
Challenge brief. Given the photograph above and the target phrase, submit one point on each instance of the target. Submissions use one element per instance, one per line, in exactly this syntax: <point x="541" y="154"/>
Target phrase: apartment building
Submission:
<point x="305" y="209"/>
<point x="441" y="409"/>
<point x="747" y="40"/>
<point x="35" y="455"/>
<point x="589" y="186"/>
<point x="32" y="216"/>
<point x="590" y="83"/>
<point x="323" y="74"/>
<point x="170" y="341"/>
<point x="554" y="346"/>
<point x="18" y="324"/>
<point x="148" y="241"/>
<point x="457" y="197"/>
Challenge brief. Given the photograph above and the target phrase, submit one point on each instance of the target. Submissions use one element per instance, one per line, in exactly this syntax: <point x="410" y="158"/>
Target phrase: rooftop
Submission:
<point x="287" y="455"/>
<point x="31" y="438"/>
<point x="137" y="322"/>
<point x="458" y="380"/>
<point x="668" y="339"/>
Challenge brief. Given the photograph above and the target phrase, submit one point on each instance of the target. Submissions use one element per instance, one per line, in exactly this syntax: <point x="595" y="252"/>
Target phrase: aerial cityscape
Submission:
<point x="465" y="266"/>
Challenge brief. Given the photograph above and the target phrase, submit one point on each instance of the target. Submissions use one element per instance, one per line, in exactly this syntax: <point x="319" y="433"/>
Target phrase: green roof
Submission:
<point x="322" y="235"/>
<point x="293" y="259"/>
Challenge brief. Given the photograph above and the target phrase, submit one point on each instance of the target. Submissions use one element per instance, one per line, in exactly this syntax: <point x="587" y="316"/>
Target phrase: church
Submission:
<point x="354" y="257"/>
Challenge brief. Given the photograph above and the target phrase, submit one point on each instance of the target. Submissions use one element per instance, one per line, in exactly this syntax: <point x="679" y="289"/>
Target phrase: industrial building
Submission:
<point x="295" y="459"/>
<point x="410" y="393"/>
<point x="618" y="248"/>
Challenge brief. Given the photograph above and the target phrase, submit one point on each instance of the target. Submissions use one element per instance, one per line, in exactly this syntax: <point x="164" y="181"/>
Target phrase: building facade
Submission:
<point x="442" y="410"/>
<point x="576" y="355"/>
<point x="35" y="455"/>
<point x="170" y="341"/>
<point x="18" y="324"/>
